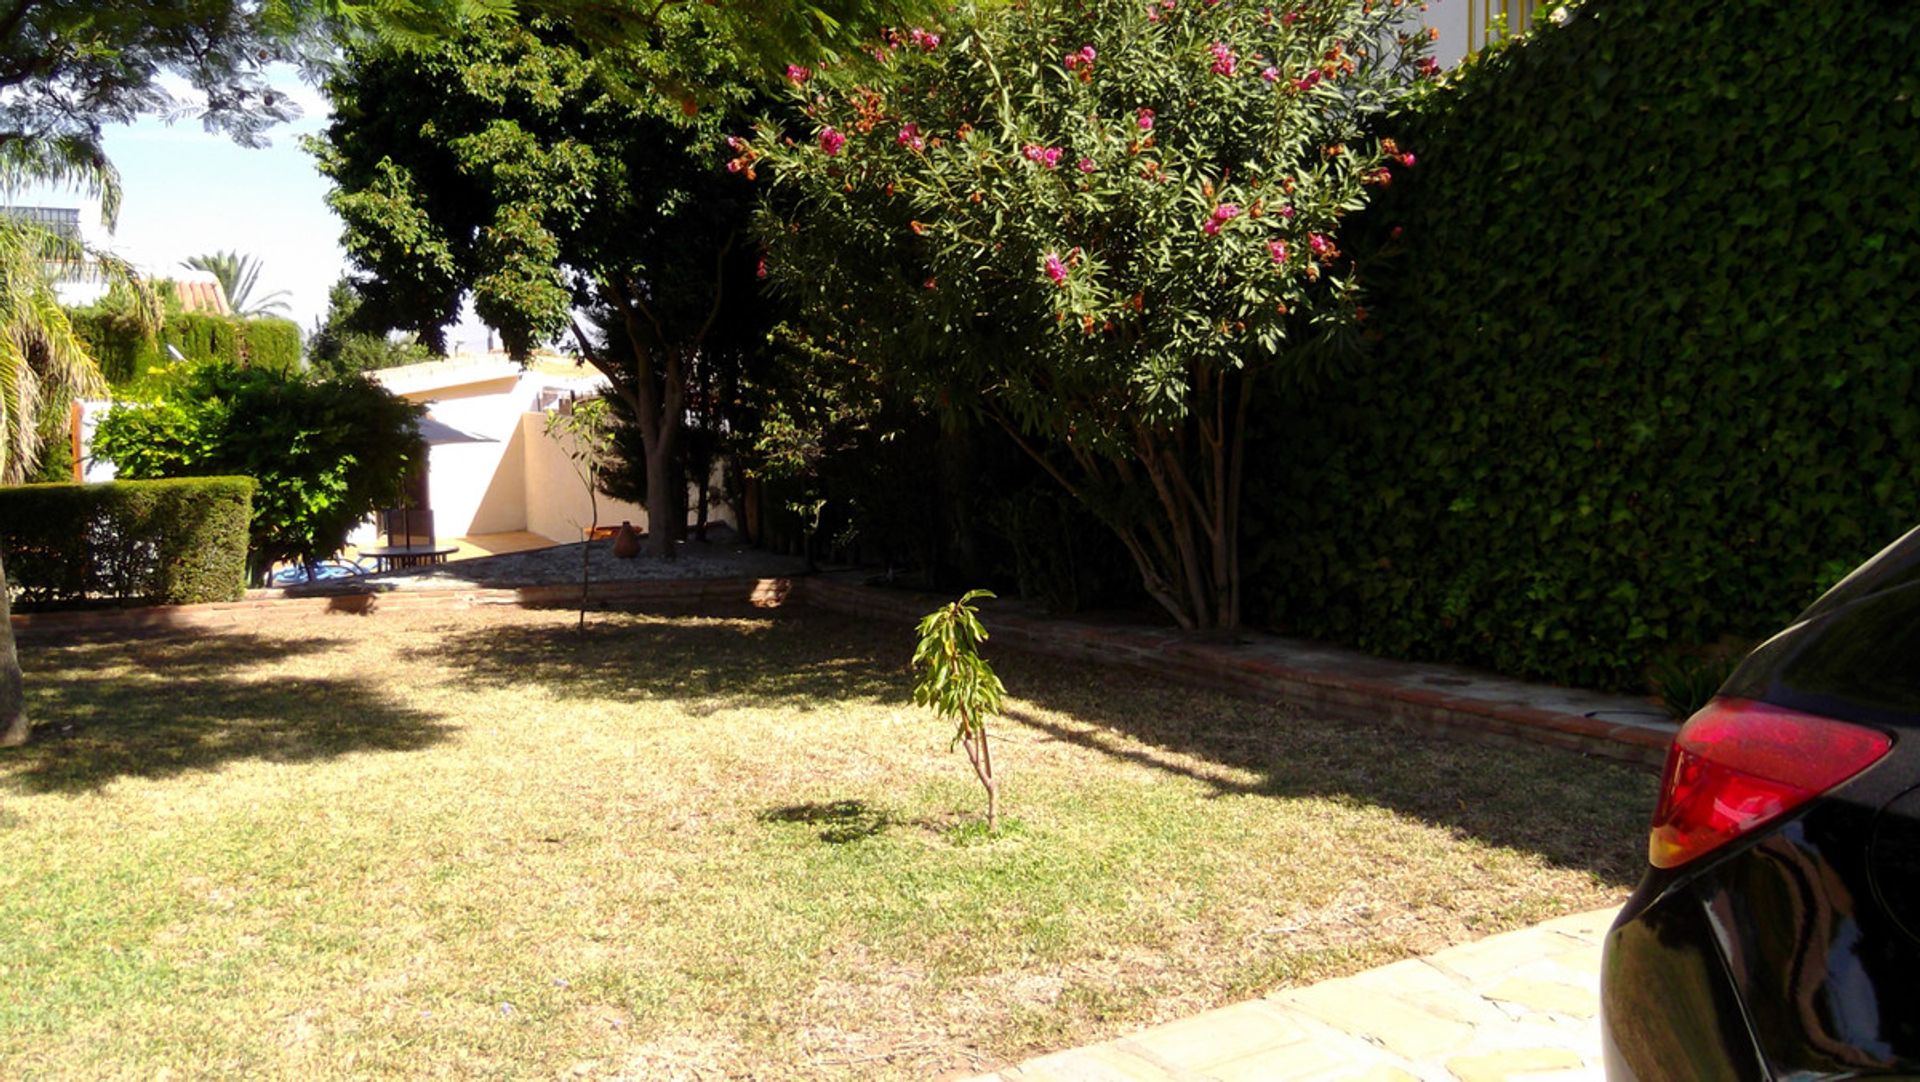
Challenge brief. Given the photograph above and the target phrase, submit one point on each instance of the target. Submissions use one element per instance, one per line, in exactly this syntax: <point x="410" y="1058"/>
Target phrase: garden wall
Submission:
<point x="1646" y="332"/>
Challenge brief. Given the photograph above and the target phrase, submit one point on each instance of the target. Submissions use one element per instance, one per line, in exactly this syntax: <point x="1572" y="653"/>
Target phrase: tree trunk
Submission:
<point x="661" y="506"/>
<point x="13" y="693"/>
<point x="703" y="491"/>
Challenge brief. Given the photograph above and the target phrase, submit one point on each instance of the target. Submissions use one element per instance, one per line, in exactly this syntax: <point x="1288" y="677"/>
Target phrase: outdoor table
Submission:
<point x="388" y="557"/>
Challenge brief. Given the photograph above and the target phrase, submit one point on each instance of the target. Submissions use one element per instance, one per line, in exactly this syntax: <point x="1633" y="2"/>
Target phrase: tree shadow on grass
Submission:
<point x="107" y="708"/>
<point x="1574" y="811"/>
<point x="840" y="821"/>
<point x="789" y="660"/>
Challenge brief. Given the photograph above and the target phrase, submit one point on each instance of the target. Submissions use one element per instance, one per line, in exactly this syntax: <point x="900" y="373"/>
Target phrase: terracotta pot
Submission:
<point x="626" y="542"/>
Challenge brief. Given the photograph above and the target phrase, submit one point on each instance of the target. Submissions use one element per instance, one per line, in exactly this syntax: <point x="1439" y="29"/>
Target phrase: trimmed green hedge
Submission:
<point x="175" y="542"/>
<point x="126" y="357"/>
<point x="1645" y="373"/>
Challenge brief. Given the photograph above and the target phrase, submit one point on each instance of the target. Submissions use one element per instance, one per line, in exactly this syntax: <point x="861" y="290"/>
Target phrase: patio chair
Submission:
<point x="407" y="527"/>
<point x="407" y="539"/>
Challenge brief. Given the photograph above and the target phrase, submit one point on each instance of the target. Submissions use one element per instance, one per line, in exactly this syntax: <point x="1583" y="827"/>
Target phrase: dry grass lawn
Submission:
<point x="471" y="843"/>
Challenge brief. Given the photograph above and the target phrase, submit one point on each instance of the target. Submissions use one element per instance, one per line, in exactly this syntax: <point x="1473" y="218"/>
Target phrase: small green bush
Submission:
<point x="1684" y="683"/>
<point x="130" y="542"/>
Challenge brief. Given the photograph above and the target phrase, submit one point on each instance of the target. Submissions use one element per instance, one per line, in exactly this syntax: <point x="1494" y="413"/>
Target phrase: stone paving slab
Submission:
<point x="1516" y="1007"/>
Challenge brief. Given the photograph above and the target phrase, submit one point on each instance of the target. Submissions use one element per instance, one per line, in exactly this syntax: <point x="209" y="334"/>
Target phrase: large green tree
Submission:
<point x="501" y="168"/>
<point x="1108" y="229"/>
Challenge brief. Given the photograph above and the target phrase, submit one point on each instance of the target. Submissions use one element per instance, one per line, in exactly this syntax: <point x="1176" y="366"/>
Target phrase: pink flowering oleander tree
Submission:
<point x="1108" y="227"/>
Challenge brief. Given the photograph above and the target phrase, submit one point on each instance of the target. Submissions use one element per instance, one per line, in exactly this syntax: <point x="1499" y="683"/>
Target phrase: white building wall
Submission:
<point x="1466" y="25"/>
<point x="556" y="497"/>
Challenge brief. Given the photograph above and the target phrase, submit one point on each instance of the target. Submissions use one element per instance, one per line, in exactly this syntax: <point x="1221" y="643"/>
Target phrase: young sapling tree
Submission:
<point x="584" y="429"/>
<point x="958" y="684"/>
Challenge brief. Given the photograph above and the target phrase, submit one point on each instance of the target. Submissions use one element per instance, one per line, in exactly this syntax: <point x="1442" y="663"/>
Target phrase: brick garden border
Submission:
<point x="1360" y="692"/>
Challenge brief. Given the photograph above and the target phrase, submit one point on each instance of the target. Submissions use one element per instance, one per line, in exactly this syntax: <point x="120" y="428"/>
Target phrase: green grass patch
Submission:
<point x="476" y="843"/>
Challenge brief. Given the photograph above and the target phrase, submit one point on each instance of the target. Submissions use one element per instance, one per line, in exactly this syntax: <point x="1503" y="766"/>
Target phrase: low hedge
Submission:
<point x="1647" y="372"/>
<point x="127" y="542"/>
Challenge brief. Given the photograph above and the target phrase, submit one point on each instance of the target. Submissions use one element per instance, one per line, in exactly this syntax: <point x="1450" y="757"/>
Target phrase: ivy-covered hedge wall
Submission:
<point x="126" y="357"/>
<point x="1644" y="374"/>
<point x="174" y="542"/>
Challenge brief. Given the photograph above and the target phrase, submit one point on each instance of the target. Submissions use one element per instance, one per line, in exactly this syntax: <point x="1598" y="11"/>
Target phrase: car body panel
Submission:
<point x="1794" y="952"/>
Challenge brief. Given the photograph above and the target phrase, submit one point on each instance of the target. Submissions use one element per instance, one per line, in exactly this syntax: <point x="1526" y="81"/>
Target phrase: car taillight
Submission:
<point x="1738" y="764"/>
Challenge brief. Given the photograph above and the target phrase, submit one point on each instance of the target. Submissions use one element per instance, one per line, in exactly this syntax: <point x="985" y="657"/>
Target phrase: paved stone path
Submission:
<point x="1519" y="1006"/>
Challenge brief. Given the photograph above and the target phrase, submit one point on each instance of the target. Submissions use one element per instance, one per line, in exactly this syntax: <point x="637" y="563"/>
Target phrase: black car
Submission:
<point x="1777" y="932"/>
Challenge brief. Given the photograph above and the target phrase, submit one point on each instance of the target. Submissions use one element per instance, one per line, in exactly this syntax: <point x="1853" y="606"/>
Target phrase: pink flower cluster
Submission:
<point x="799" y="73"/>
<point x="927" y="42"/>
<point x="1290" y="18"/>
<point x="1277" y="251"/>
<point x="1081" y="59"/>
<point x="1222" y="214"/>
<point x="1086" y="165"/>
<point x="1056" y="270"/>
<point x="1269" y="73"/>
<point x="1153" y="11"/>
<point x="1224" y="62"/>
<point x="831" y="141"/>
<point x="1308" y="81"/>
<point x="1046" y="156"/>
<point x="1319" y="243"/>
<point x="909" y="137"/>
<point x="1145" y="119"/>
<point x="743" y="156"/>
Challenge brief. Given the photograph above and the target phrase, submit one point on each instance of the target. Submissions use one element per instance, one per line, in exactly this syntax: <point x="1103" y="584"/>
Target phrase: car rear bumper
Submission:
<point x="1773" y="961"/>
<point x="1669" y="1005"/>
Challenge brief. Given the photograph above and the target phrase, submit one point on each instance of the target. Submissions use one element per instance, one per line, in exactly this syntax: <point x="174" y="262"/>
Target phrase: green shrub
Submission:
<point x="325" y="452"/>
<point x="129" y="359"/>
<point x="1645" y="369"/>
<point x="1685" y="682"/>
<point x="173" y="542"/>
<point x="271" y="343"/>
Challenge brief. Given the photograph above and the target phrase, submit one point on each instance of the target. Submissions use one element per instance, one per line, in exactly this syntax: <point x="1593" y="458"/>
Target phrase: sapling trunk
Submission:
<point x="586" y="550"/>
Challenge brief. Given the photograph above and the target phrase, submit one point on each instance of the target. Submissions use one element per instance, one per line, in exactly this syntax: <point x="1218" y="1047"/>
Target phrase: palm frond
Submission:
<point x="43" y="363"/>
<point x="70" y="161"/>
<point x="238" y="275"/>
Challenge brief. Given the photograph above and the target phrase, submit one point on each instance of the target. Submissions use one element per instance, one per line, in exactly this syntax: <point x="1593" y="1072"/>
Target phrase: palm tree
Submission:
<point x="238" y="275"/>
<point x="43" y="363"/>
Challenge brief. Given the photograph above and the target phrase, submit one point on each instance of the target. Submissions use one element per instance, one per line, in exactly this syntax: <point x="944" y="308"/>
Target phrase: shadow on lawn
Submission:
<point x="112" y="707"/>
<point x="840" y="822"/>
<point x="1575" y="812"/>
<point x="788" y="659"/>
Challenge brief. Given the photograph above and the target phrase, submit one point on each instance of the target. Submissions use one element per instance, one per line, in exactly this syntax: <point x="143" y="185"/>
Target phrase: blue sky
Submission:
<point x="188" y="192"/>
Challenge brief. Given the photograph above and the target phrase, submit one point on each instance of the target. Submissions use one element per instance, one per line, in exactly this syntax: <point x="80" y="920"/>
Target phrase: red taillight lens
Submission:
<point x="1738" y="764"/>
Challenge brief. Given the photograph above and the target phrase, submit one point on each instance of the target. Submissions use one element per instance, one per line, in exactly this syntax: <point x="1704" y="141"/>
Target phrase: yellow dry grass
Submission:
<point x="473" y="843"/>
